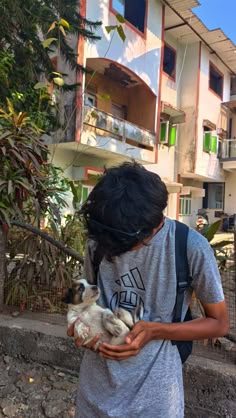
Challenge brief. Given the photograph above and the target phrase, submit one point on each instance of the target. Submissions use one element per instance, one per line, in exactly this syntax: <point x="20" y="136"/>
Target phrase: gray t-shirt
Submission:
<point x="150" y="384"/>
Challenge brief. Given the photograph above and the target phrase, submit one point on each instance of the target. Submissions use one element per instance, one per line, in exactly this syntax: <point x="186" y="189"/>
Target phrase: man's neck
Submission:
<point x="154" y="232"/>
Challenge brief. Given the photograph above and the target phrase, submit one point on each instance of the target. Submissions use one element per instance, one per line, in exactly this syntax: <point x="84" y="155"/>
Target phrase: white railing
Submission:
<point x="118" y="128"/>
<point x="229" y="149"/>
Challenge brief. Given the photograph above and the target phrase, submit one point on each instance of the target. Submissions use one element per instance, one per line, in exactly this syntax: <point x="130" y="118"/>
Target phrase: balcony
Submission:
<point x="228" y="155"/>
<point x="108" y="125"/>
<point x="119" y="113"/>
<point x="103" y="131"/>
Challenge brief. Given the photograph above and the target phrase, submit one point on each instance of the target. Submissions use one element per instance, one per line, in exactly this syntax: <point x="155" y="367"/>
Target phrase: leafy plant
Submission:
<point x="118" y="27"/>
<point x="31" y="189"/>
<point x="34" y="35"/>
<point x="35" y="39"/>
<point x="26" y="179"/>
<point x="38" y="270"/>
<point x="223" y="249"/>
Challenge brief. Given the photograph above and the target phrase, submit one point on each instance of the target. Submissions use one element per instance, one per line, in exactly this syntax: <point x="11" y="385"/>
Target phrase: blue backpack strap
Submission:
<point x="182" y="268"/>
<point x="183" y="280"/>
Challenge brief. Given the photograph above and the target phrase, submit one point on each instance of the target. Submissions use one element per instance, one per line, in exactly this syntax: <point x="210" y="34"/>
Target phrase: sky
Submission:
<point x="218" y="14"/>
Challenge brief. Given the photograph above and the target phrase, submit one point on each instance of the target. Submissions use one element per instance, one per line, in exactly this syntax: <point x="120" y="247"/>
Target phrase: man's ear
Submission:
<point x="68" y="296"/>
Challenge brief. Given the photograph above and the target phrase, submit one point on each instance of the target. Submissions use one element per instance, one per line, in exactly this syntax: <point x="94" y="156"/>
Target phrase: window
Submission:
<point x="133" y="11"/>
<point x="214" y="196"/>
<point x="216" y="81"/>
<point x="210" y="142"/>
<point x="172" y="135"/>
<point x="185" y="203"/>
<point x="90" y="99"/>
<point x="91" y="96"/>
<point x="169" y="61"/>
<point x="85" y="192"/>
<point x="168" y="133"/>
<point x="220" y="149"/>
<point x="118" y="111"/>
<point x="233" y="85"/>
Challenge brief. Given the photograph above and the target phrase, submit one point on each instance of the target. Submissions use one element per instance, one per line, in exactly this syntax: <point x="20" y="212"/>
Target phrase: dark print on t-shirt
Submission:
<point x="128" y="299"/>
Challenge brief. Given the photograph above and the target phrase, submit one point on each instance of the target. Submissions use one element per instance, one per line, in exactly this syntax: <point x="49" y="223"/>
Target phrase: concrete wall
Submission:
<point x="210" y="108"/>
<point x="163" y="168"/>
<point x="142" y="56"/>
<point x="171" y="210"/>
<point x="209" y="389"/>
<point x="209" y="385"/>
<point x="168" y="156"/>
<point x="188" y="102"/>
<point x="230" y="193"/>
<point x="206" y="106"/>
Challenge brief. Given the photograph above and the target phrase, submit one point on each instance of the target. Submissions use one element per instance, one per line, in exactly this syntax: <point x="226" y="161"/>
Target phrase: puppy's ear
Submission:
<point x="138" y="313"/>
<point x="68" y="296"/>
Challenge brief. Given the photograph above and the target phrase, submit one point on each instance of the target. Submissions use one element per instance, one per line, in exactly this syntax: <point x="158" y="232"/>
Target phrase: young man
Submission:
<point x="142" y="378"/>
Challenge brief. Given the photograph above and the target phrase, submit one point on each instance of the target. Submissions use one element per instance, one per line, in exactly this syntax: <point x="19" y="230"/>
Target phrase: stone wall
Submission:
<point x="210" y="386"/>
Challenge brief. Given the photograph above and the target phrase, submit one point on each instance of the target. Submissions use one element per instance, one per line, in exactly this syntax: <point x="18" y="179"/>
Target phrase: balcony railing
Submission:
<point x="229" y="149"/>
<point x="118" y="128"/>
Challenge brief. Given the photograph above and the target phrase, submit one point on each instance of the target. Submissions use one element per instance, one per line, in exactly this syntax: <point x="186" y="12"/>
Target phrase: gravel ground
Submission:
<point x="31" y="390"/>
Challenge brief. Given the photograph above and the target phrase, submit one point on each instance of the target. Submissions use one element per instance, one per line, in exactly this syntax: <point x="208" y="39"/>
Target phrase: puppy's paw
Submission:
<point x="125" y="316"/>
<point x="112" y="324"/>
<point x="83" y="333"/>
<point x="116" y="330"/>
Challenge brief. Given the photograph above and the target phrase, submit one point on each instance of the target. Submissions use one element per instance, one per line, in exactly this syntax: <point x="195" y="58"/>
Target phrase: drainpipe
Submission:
<point x="197" y="107"/>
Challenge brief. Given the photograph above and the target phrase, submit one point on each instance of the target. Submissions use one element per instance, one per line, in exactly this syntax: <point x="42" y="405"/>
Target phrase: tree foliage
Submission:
<point x="27" y="181"/>
<point x="32" y="189"/>
<point x="36" y="39"/>
<point x="33" y="35"/>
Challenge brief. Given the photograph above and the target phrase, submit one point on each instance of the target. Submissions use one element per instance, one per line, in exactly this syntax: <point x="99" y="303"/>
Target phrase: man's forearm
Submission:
<point x="196" y="329"/>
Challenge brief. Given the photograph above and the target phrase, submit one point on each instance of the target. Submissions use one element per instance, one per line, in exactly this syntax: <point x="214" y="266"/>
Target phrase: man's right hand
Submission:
<point x="80" y="343"/>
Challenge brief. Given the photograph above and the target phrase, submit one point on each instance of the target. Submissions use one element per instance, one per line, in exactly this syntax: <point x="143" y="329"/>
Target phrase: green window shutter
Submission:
<point x="214" y="144"/>
<point x="172" y="136"/>
<point x="207" y="142"/>
<point x="164" y="132"/>
<point x="84" y="194"/>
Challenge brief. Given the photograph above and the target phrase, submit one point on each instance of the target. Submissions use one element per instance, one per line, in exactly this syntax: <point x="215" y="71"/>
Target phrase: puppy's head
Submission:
<point x="81" y="292"/>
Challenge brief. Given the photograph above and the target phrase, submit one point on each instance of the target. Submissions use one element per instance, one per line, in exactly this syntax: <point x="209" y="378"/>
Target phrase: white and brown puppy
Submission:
<point x="90" y="319"/>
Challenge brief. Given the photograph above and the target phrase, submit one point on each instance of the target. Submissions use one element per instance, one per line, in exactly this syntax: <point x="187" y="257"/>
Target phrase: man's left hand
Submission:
<point x="139" y="336"/>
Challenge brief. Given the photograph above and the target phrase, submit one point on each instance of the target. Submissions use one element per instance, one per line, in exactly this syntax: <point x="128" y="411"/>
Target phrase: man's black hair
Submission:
<point x="124" y="207"/>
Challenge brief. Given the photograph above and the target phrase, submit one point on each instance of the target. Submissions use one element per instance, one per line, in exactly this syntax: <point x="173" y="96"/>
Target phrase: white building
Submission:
<point x="161" y="97"/>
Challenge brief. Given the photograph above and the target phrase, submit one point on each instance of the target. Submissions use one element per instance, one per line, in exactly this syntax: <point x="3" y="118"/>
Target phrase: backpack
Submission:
<point x="183" y="282"/>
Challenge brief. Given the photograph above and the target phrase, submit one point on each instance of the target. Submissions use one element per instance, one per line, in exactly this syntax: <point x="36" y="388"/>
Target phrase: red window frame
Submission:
<point x="142" y="34"/>
<point x="221" y="74"/>
<point x="173" y="78"/>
